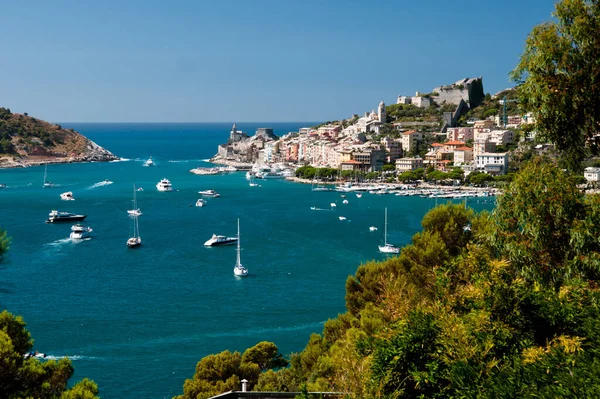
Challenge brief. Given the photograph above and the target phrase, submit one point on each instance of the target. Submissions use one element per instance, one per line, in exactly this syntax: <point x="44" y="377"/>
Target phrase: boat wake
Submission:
<point x="121" y="160"/>
<point x="75" y="357"/>
<point x="262" y="331"/>
<point x="314" y="208"/>
<point x="60" y="242"/>
<point x="187" y="160"/>
<point x="100" y="184"/>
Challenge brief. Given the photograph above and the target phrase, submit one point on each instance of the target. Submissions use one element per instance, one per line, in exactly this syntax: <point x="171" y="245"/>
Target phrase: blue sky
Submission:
<point x="248" y="60"/>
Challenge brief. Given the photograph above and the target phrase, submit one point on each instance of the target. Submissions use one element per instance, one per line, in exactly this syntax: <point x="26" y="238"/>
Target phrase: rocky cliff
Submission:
<point x="25" y="140"/>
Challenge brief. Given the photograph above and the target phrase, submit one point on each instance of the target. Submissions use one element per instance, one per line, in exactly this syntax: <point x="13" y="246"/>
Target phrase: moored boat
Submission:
<point x="164" y="185"/>
<point x="56" y="216"/>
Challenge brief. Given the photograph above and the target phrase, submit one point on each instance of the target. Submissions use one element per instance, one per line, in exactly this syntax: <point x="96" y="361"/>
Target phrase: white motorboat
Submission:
<point x="46" y="182"/>
<point x="238" y="269"/>
<point x="135" y="211"/>
<point x="2" y="185"/>
<point x="387" y="247"/>
<point x="164" y="185"/>
<point x="56" y="216"/>
<point x="149" y="162"/>
<point x="201" y="202"/>
<point x="373" y="228"/>
<point x="358" y="195"/>
<point x="79" y="232"/>
<point x="342" y="218"/>
<point x="270" y="175"/>
<point x="68" y="196"/>
<point x="136" y="240"/>
<point x="217" y="240"/>
<point x="209" y="193"/>
<point x="345" y="201"/>
<point x="333" y="204"/>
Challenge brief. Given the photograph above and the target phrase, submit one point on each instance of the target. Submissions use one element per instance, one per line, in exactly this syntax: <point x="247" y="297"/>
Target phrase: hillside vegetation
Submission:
<point x="23" y="136"/>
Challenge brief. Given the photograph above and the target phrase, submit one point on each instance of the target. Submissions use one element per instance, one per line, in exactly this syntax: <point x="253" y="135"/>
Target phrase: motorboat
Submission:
<point x="135" y="211"/>
<point x="164" y="185"/>
<point x="342" y="218"/>
<point x="46" y="182"/>
<point x="373" y="228"/>
<point x="56" y="216"/>
<point x="387" y="247"/>
<point x="209" y="193"/>
<point x="201" y="202"/>
<point x="270" y="175"/>
<point x="217" y="240"/>
<point x="68" y="196"/>
<point x="358" y="195"/>
<point x="79" y="232"/>
<point x="135" y="241"/>
<point x="238" y="269"/>
<point x="36" y="355"/>
<point x="345" y="201"/>
<point x="149" y="162"/>
<point x="333" y="204"/>
<point x="2" y="185"/>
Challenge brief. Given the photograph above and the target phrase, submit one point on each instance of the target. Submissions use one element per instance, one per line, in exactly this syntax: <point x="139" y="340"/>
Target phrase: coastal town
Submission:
<point x="367" y="143"/>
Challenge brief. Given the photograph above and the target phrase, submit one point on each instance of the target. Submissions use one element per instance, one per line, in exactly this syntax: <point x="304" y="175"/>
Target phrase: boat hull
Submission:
<point x="220" y="243"/>
<point x="75" y="218"/>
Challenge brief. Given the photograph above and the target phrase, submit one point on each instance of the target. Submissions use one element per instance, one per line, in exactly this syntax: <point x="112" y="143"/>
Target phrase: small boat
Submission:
<point x="209" y="193"/>
<point x="358" y="195"/>
<point x="342" y="218"/>
<point x="238" y="269"/>
<point x="345" y="201"/>
<point x="79" y="232"/>
<point x="135" y="211"/>
<point x="149" y="162"/>
<point x="164" y="185"/>
<point x="313" y="208"/>
<point x="333" y="204"/>
<point x="343" y="195"/>
<point x="2" y="185"/>
<point x="201" y="202"/>
<point x="373" y="228"/>
<point x="135" y="241"/>
<point x="46" y="182"/>
<point x="68" y="196"/>
<point x="36" y="355"/>
<point x="387" y="247"/>
<point x="56" y="216"/>
<point x="217" y="240"/>
<point x="139" y="189"/>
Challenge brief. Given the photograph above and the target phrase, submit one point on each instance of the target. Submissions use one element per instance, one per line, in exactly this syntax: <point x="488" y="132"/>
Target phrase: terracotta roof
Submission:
<point x="352" y="161"/>
<point x="455" y="143"/>
<point x="410" y="132"/>
<point x="437" y="145"/>
<point x="463" y="149"/>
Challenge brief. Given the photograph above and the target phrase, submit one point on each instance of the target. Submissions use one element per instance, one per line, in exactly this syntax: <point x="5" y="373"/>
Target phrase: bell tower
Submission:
<point x="381" y="112"/>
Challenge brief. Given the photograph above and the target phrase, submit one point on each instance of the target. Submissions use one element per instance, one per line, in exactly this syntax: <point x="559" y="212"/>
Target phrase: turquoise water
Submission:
<point x="137" y="321"/>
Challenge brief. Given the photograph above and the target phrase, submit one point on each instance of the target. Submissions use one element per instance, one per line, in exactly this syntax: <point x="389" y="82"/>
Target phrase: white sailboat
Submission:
<point x="135" y="211"/>
<point x="239" y="270"/>
<point x="135" y="241"/>
<point x="46" y="182"/>
<point x="386" y="247"/>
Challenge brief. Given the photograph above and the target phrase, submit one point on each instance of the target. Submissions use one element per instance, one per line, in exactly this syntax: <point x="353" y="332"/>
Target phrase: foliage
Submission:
<point x="4" y="243"/>
<point x="216" y="374"/>
<point x="32" y="377"/>
<point x="559" y="79"/>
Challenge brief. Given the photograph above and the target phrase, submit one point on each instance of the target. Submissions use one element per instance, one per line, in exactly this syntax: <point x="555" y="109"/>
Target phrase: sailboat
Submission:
<point x="239" y="270"/>
<point x="46" y="182"/>
<point x="386" y="247"/>
<point x="135" y="241"/>
<point x="135" y="211"/>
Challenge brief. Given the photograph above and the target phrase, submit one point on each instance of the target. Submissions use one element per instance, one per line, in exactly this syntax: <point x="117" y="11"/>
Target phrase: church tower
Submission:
<point x="381" y="112"/>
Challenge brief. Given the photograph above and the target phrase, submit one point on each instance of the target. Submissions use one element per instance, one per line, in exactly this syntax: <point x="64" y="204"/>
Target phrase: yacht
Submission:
<point x="149" y="162"/>
<point x="387" y="247"/>
<point x="135" y="241"/>
<point x="358" y="195"/>
<point x="345" y="201"/>
<point x="217" y="240"/>
<point x="238" y="269"/>
<point x="56" y="216"/>
<point x="342" y="218"/>
<point x="270" y="175"/>
<point x="164" y="185"/>
<point x="2" y="185"/>
<point x="68" y="196"/>
<point x="373" y="228"/>
<point x="209" y="193"/>
<point x="79" y="232"/>
<point x="201" y="202"/>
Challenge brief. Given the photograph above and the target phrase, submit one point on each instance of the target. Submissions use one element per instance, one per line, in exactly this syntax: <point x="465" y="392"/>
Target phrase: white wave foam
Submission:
<point x="75" y="357"/>
<point x="100" y="184"/>
<point x="187" y="160"/>
<point x="60" y="242"/>
<point x="121" y="160"/>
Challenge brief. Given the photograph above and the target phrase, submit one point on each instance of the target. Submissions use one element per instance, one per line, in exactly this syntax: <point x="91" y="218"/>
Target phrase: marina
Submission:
<point x="171" y="301"/>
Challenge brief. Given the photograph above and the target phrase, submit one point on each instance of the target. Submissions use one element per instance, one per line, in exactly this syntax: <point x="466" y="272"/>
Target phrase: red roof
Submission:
<point x="437" y="145"/>
<point x="455" y="143"/>
<point x="463" y="149"/>
<point x="410" y="132"/>
<point x="352" y="161"/>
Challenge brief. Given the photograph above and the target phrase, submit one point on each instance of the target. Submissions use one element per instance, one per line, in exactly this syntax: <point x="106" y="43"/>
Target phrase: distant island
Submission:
<point x="26" y="141"/>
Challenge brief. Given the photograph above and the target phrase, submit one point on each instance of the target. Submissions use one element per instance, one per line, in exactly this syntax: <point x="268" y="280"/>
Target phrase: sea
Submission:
<point x="137" y="321"/>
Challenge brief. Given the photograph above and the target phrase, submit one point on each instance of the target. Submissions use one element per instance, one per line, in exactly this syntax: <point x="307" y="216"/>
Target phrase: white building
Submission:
<point x="591" y="174"/>
<point x="492" y="163"/>
<point x="410" y="140"/>
<point x="407" y="164"/>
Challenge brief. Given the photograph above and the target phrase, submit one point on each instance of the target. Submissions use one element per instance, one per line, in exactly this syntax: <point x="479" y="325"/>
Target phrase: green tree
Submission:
<point x="559" y="79"/>
<point x="265" y="355"/>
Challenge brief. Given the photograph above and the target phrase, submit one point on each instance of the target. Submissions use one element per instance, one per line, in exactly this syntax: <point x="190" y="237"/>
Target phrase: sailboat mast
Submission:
<point x="238" y="263"/>
<point x="385" y="229"/>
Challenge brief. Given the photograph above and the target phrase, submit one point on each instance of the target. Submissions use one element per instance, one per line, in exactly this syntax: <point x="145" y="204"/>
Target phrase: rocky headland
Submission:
<point x="27" y="141"/>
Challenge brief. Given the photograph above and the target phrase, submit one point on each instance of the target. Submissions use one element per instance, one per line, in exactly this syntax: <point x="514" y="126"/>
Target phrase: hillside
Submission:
<point x="25" y="140"/>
